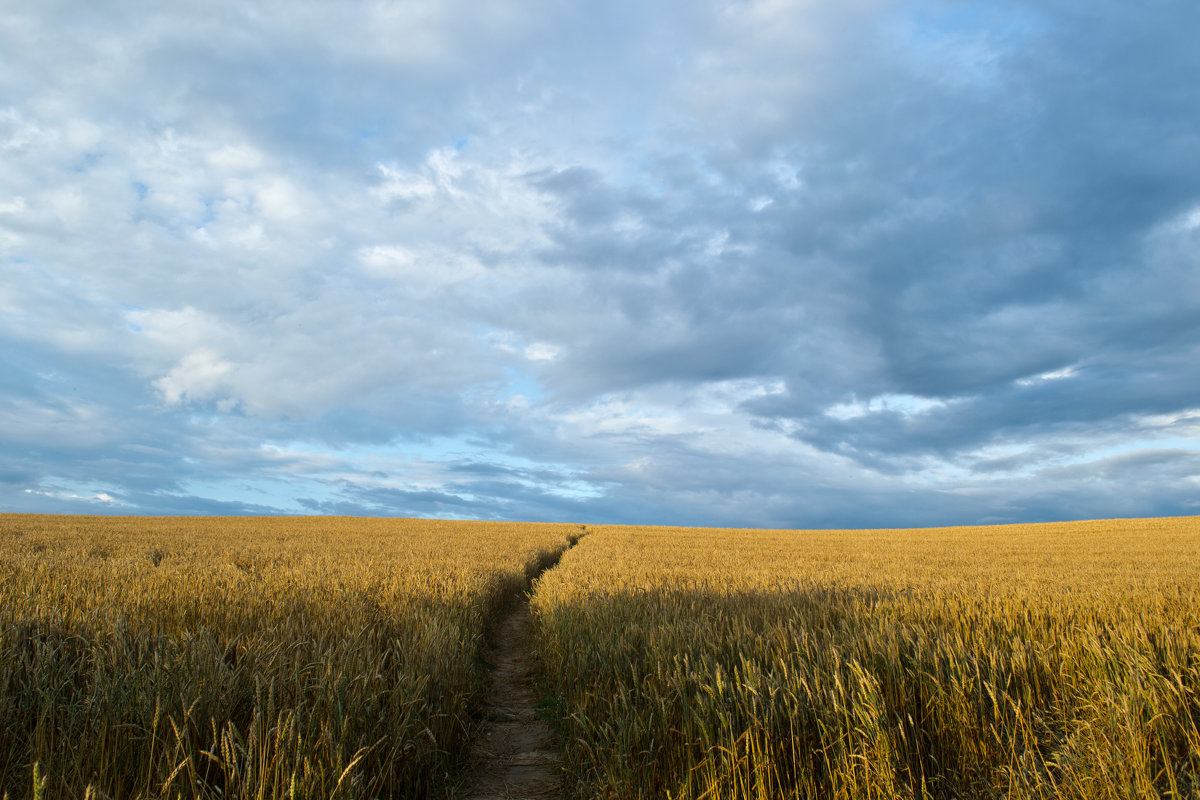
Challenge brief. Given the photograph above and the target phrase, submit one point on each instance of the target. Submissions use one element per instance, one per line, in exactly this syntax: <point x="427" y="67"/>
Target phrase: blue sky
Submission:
<point x="760" y="263"/>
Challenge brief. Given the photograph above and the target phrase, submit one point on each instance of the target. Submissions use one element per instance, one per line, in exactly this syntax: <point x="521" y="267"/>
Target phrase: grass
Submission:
<point x="1034" y="661"/>
<point x="247" y="658"/>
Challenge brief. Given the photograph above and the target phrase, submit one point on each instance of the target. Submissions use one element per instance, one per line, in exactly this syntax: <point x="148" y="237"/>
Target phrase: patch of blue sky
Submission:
<point x="980" y="16"/>
<point x="1145" y="445"/>
<point x="372" y="456"/>
<point x="576" y="490"/>
<point x="126" y="311"/>
<point x="522" y="384"/>
<point x="973" y="37"/>
<point x="565" y="482"/>
<point x="278" y="495"/>
<point x="368" y="130"/>
<point x="905" y="404"/>
<point x="86" y="162"/>
<point x="100" y="495"/>
<point x="520" y="380"/>
<point x="418" y="462"/>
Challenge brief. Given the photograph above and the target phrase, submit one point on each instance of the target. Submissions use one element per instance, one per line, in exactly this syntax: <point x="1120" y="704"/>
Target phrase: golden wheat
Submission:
<point x="1031" y="661"/>
<point x="246" y="657"/>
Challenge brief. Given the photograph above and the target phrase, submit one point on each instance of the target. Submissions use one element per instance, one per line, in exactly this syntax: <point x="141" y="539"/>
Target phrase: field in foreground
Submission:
<point x="1039" y="661"/>
<point x="247" y="657"/>
<point x="325" y="657"/>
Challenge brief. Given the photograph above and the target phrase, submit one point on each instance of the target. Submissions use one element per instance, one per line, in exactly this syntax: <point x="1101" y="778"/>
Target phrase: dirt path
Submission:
<point x="516" y="754"/>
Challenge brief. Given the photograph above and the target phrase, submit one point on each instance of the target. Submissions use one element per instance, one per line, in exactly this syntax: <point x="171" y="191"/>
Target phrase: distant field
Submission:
<point x="238" y="657"/>
<point x="1034" y="661"/>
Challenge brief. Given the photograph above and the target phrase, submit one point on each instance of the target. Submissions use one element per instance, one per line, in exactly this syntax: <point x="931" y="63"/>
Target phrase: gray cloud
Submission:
<point x="753" y="264"/>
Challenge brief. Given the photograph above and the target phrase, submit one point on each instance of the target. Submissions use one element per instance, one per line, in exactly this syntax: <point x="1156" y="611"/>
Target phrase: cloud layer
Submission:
<point x="760" y="263"/>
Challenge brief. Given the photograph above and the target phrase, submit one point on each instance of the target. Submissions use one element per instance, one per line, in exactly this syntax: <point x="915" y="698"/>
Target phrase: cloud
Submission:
<point x="758" y="263"/>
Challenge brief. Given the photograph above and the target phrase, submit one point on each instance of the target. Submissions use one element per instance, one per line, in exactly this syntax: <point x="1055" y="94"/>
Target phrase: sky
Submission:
<point x="765" y="263"/>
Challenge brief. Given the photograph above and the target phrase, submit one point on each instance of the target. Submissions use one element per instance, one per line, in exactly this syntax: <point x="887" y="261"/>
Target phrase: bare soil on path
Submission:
<point x="515" y="754"/>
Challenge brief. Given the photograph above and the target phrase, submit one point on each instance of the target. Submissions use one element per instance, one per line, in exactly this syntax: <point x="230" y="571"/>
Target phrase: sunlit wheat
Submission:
<point x="1034" y="661"/>
<point x="246" y="657"/>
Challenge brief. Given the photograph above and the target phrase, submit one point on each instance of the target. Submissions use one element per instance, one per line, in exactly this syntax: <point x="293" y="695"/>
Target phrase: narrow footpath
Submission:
<point x="516" y="754"/>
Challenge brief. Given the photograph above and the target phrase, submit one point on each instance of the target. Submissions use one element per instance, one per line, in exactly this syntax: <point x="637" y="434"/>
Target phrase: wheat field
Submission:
<point x="341" y="658"/>
<point x="1030" y="661"/>
<point x="247" y="657"/>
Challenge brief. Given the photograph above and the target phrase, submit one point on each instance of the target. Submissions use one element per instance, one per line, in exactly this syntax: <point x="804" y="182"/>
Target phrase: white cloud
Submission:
<point x="421" y="268"/>
<point x="199" y="376"/>
<point x="632" y="240"/>
<point x="1190" y="220"/>
<point x="100" y="497"/>
<point x="1052" y="375"/>
<point x="542" y="351"/>
<point x="905" y="404"/>
<point x="176" y="330"/>
<point x="404" y="185"/>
